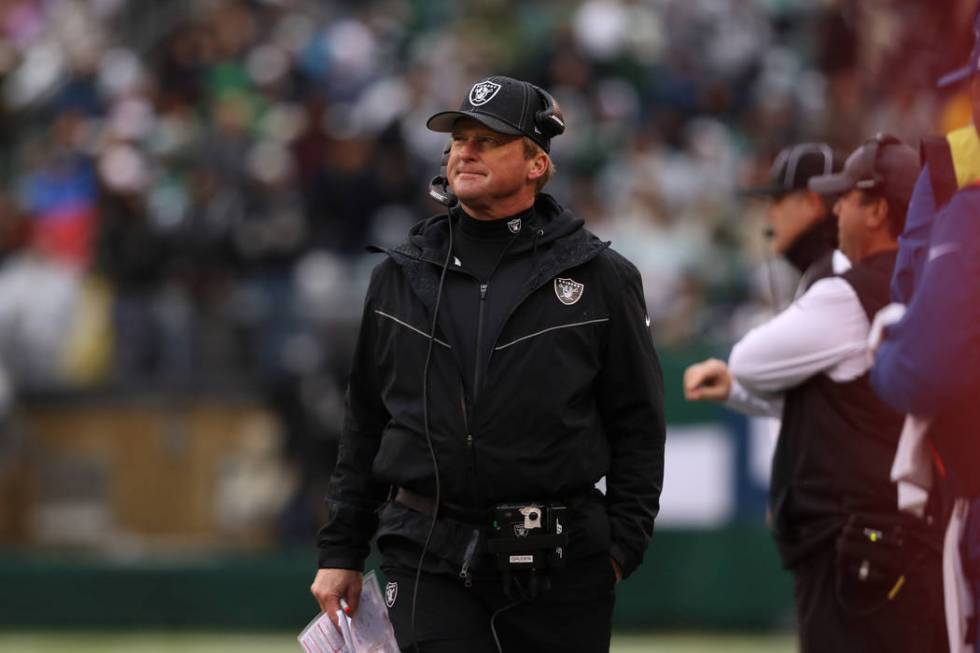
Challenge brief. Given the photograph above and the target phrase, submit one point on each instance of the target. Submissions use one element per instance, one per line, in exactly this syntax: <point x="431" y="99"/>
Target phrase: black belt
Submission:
<point x="427" y="505"/>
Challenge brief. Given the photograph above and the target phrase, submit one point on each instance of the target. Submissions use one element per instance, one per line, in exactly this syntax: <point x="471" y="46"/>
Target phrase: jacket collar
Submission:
<point x="555" y="236"/>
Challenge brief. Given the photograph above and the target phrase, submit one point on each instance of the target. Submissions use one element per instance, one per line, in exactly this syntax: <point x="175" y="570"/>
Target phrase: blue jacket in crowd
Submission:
<point x="930" y="360"/>
<point x="914" y="241"/>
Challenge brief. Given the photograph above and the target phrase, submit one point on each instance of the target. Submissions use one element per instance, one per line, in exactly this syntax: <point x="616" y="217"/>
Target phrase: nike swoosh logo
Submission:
<point x="941" y="250"/>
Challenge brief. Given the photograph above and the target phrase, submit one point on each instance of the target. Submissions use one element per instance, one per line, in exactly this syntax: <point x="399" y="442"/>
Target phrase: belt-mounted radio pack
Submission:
<point x="528" y="537"/>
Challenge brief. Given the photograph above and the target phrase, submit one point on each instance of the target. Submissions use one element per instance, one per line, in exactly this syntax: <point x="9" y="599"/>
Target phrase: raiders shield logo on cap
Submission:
<point x="568" y="291"/>
<point x="483" y="92"/>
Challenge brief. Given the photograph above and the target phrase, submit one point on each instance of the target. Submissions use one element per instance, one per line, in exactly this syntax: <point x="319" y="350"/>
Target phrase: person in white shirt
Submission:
<point x="867" y="577"/>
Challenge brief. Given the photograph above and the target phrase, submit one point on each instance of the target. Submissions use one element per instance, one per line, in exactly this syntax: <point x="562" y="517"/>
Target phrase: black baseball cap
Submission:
<point x="973" y="63"/>
<point x="793" y="167"/>
<point x="883" y="164"/>
<point x="505" y="105"/>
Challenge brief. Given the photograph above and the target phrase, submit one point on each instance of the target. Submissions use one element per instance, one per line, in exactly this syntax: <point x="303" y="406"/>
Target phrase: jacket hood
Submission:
<point x="556" y="239"/>
<point x="547" y="222"/>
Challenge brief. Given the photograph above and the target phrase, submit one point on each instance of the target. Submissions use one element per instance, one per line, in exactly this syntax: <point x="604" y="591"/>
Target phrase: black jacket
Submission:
<point x="569" y="392"/>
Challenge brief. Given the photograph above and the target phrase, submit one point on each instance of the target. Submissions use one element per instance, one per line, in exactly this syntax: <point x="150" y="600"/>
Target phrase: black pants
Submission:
<point x="837" y="614"/>
<point x="573" y="616"/>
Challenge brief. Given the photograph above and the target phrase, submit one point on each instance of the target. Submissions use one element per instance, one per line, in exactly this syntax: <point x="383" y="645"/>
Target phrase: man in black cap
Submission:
<point x="504" y="367"/>
<point x="868" y="578"/>
<point x="802" y="227"/>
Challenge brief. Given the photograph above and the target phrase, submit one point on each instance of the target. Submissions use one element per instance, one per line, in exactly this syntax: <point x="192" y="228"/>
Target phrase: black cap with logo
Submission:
<point x="793" y="167"/>
<point x="509" y="106"/>
<point x="883" y="164"/>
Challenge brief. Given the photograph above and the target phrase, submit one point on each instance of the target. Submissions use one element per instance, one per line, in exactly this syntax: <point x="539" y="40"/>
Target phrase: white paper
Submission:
<point x="912" y="467"/>
<point x="368" y="631"/>
<point x="321" y="636"/>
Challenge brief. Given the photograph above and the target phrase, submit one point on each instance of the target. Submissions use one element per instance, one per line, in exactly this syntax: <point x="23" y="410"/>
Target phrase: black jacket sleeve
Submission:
<point x="630" y="396"/>
<point x="353" y="496"/>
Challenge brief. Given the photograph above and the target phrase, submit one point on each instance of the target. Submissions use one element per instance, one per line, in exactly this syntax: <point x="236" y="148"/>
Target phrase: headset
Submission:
<point x="547" y="120"/>
<point x="879" y="142"/>
<point x="439" y="189"/>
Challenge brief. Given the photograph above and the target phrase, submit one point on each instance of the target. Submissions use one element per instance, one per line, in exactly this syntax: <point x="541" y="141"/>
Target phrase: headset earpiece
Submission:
<point x="439" y="189"/>
<point x="549" y="120"/>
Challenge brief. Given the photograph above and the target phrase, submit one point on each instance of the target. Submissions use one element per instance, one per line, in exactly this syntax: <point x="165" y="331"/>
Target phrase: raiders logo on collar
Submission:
<point x="568" y="291"/>
<point x="514" y="225"/>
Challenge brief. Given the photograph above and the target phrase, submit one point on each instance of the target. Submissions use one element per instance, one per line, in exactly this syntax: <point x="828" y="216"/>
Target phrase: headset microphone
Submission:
<point x="439" y="189"/>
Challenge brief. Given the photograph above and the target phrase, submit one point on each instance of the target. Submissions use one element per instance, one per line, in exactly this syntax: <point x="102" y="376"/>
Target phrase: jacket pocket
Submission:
<point x="541" y="332"/>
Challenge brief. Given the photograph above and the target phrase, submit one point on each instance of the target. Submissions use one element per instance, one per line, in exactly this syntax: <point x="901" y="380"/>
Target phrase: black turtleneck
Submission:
<point x="479" y="244"/>
<point x="490" y="261"/>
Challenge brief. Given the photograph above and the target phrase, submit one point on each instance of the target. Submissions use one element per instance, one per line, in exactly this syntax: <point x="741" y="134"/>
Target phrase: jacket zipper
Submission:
<point x="479" y="341"/>
<point x="466" y="421"/>
<point x="468" y="555"/>
<point x="470" y="453"/>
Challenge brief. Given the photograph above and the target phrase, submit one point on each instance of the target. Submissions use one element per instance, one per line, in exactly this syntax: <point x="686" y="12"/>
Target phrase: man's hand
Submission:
<point x="330" y="585"/>
<point x="616" y="569"/>
<point x="708" y="380"/>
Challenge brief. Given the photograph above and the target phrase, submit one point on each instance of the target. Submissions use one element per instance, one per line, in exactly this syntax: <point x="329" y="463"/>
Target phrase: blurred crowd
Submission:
<point x="188" y="185"/>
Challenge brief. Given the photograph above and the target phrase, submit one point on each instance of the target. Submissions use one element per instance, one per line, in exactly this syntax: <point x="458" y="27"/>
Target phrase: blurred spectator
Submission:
<point x="39" y="294"/>
<point x="59" y="192"/>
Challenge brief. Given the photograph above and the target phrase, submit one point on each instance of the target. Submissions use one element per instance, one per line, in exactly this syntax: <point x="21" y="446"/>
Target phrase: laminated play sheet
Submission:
<point x="368" y="631"/>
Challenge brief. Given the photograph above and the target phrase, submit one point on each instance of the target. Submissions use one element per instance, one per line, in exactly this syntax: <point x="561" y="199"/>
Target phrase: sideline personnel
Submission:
<point x="867" y="578"/>
<point x="803" y="230"/>
<point x="926" y="364"/>
<point x="801" y="223"/>
<point x="504" y="359"/>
